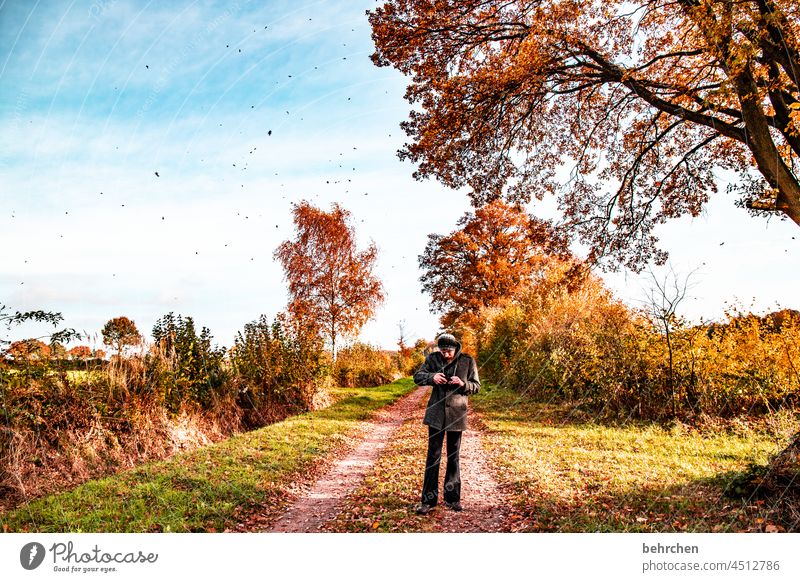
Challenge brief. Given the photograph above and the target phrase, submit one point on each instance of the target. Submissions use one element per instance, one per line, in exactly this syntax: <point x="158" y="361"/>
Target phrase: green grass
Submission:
<point x="212" y="488"/>
<point x="570" y="473"/>
<point x="83" y="376"/>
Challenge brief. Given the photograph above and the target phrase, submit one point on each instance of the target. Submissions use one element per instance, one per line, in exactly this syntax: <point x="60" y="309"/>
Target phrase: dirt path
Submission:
<point x="322" y="501"/>
<point x="340" y="492"/>
<point x="486" y="505"/>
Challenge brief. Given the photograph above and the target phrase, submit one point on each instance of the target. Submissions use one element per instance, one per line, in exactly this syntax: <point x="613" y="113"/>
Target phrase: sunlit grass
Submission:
<point x="85" y="376"/>
<point x="585" y="475"/>
<point x="208" y="489"/>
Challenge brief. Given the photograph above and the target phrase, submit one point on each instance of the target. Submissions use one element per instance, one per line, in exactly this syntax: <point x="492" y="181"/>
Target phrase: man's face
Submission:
<point x="448" y="353"/>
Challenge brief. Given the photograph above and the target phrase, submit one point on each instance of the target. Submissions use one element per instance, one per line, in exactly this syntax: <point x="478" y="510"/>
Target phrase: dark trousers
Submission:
<point x="452" y="474"/>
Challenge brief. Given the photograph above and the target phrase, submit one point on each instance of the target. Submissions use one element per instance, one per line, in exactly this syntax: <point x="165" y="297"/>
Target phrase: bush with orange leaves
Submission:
<point x="746" y="365"/>
<point x="566" y="337"/>
<point x="362" y="365"/>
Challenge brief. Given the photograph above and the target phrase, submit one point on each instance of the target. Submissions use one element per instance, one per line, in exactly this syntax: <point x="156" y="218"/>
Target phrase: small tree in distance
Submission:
<point x="119" y="333"/>
<point x="332" y="289"/>
<point x="80" y="353"/>
<point x="661" y="306"/>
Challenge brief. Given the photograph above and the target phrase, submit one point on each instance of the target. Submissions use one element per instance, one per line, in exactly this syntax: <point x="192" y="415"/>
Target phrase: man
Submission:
<point x="452" y="376"/>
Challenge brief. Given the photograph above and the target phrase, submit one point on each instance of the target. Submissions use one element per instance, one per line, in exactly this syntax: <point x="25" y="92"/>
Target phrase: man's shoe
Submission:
<point x="424" y="509"/>
<point x="455" y="506"/>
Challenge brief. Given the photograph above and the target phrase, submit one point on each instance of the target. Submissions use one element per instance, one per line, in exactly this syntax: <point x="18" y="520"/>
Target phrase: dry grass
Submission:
<point x="37" y="463"/>
<point x="573" y="474"/>
<point x="225" y="485"/>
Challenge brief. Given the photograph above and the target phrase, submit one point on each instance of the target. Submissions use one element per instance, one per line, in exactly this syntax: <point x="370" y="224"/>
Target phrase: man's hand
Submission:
<point x="439" y="378"/>
<point x="456" y="380"/>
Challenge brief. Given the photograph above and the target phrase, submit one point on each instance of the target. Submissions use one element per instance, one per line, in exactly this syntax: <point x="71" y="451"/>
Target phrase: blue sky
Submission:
<point x="96" y="97"/>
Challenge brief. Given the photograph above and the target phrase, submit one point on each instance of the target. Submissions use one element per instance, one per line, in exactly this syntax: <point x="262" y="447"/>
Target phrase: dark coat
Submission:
<point x="447" y="406"/>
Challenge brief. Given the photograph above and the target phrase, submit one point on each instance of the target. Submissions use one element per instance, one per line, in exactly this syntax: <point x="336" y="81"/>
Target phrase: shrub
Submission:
<point x="362" y="365"/>
<point x="408" y="360"/>
<point x="183" y="365"/>
<point x="61" y="427"/>
<point x="571" y="339"/>
<point x="278" y="367"/>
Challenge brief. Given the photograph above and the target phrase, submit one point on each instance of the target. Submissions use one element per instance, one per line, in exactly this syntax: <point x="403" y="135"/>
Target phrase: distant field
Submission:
<point x="85" y="375"/>
<point x="72" y="375"/>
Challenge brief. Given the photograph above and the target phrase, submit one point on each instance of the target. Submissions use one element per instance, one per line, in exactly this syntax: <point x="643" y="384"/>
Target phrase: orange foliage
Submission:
<point x="120" y="332"/>
<point x="29" y="349"/>
<point x="650" y="97"/>
<point x="332" y="289"/>
<point x="570" y="339"/>
<point x="485" y="262"/>
<point x="80" y="352"/>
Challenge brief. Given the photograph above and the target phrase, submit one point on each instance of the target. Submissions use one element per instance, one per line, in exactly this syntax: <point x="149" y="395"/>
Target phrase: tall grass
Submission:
<point x="61" y="427"/>
<point x="246" y="477"/>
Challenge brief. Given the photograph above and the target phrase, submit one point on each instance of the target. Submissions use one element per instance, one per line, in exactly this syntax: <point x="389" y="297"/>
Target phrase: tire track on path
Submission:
<point x="486" y="505"/>
<point x="323" y="500"/>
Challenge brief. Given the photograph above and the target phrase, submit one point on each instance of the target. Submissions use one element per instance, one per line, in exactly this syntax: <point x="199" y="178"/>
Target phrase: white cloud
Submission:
<point x="106" y="124"/>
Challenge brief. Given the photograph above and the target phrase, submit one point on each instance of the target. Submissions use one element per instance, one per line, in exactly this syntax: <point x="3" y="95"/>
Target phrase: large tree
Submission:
<point x="485" y="261"/>
<point x="643" y="99"/>
<point x="332" y="288"/>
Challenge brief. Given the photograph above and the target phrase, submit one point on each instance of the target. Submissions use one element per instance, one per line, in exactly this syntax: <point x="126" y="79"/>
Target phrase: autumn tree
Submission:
<point x="645" y="100"/>
<point x="120" y="332"/>
<point x="29" y="349"/>
<point x="80" y="353"/>
<point x="332" y="288"/>
<point x="491" y="255"/>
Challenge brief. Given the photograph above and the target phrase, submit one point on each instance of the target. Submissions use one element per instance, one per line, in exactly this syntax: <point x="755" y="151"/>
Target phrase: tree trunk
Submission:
<point x="767" y="157"/>
<point x="757" y="135"/>
<point x="671" y="378"/>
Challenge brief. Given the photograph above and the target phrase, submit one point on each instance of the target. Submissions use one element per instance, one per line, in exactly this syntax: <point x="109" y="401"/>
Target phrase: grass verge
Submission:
<point x="574" y="474"/>
<point x="212" y="488"/>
